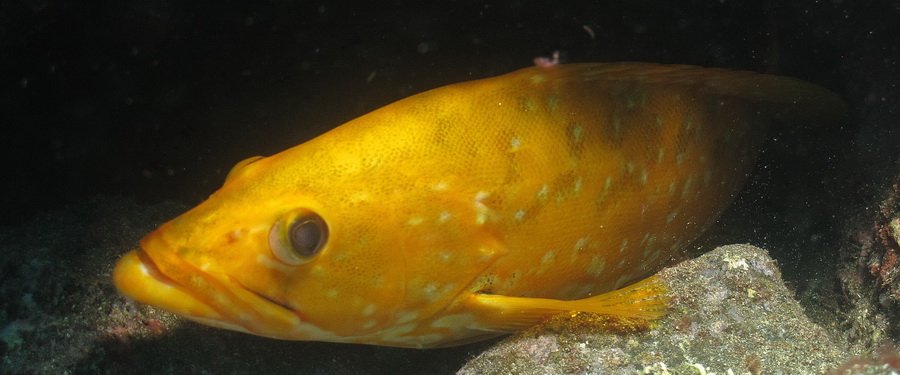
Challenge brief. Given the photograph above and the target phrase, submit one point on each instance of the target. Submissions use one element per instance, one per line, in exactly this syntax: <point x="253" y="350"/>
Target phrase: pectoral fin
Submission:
<point x="638" y="304"/>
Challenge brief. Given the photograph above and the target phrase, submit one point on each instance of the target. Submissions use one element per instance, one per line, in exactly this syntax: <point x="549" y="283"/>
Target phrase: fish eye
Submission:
<point x="298" y="236"/>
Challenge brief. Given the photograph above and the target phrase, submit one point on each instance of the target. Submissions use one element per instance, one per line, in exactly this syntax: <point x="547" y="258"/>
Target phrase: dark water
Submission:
<point x="156" y="100"/>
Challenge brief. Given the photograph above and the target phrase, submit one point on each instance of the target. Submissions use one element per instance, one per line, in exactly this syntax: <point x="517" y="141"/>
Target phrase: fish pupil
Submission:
<point x="307" y="236"/>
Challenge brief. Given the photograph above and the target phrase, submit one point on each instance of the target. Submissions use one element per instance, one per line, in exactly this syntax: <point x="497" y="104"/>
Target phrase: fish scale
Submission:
<point x="474" y="209"/>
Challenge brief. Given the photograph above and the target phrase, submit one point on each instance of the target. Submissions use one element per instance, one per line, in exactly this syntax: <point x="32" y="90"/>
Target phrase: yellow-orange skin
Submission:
<point x="554" y="183"/>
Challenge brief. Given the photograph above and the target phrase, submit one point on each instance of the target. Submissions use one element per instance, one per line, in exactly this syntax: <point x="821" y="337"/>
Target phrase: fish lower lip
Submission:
<point x="138" y="277"/>
<point x="175" y="285"/>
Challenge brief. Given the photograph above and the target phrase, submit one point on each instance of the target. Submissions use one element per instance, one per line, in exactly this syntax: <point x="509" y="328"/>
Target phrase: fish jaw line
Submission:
<point x="155" y="275"/>
<point x="138" y="278"/>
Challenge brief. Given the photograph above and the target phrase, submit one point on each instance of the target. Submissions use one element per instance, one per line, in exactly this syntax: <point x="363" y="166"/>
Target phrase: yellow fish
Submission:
<point x="474" y="209"/>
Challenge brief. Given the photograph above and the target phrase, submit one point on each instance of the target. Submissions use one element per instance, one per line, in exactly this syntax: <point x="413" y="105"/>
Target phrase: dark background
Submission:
<point x="156" y="100"/>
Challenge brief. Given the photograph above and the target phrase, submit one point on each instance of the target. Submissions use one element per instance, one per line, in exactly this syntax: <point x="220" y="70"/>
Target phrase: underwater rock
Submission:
<point x="870" y="273"/>
<point x="729" y="312"/>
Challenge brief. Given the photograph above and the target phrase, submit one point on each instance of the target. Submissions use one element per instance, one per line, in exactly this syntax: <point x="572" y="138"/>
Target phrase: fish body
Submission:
<point x="473" y="209"/>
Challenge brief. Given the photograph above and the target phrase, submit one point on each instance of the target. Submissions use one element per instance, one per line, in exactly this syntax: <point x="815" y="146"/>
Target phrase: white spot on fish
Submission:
<point x="331" y="293"/>
<point x="515" y="144"/>
<point x="405" y="317"/>
<point x="318" y="271"/>
<point x="671" y="217"/>
<point x="548" y="257"/>
<point x="244" y="317"/>
<point x="598" y="264"/>
<point x="369" y="324"/>
<point x="578" y="183"/>
<point x="446" y="256"/>
<point x="624" y="245"/>
<point x="660" y="154"/>
<point x="542" y="194"/>
<point x="679" y="159"/>
<point x="546" y="261"/>
<point x="675" y="246"/>
<point x="440" y="186"/>
<point x="481" y="210"/>
<point x="687" y="186"/>
<point x="520" y="215"/>
<point x="688" y="122"/>
<point x="644" y="177"/>
<point x="415" y="220"/>
<point x="486" y="254"/>
<point x="220" y="299"/>
<point x="395" y="334"/>
<point x="431" y="291"/>
<point x="553" y="102"/>
<point x="648" y="247"/>
<point x="526" y="104"/>
<point x="368" y="310"/>
<point x="197" y="281"/>
<point x="444" y="217"/>
<point x="580" y="244"/>
<point x="360" y="196"/>
<point x="577" y="133"/>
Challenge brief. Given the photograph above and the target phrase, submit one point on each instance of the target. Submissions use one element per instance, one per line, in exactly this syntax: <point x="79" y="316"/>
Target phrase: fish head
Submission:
<point x="275" y="253"/>
<point x="317" y="243"/>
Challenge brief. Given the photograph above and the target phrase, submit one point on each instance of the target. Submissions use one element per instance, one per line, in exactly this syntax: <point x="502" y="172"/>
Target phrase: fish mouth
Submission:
<point x="156" y="275"/>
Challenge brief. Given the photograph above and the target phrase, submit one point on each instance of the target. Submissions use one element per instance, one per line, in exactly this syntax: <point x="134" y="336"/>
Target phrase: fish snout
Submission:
<point x="156" y="275"/>
<point x="138" y="278"/>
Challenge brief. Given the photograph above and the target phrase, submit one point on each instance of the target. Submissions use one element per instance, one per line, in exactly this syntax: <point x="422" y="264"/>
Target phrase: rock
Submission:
<point x="870" y="272"/>
<point x="729" y="312"/>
